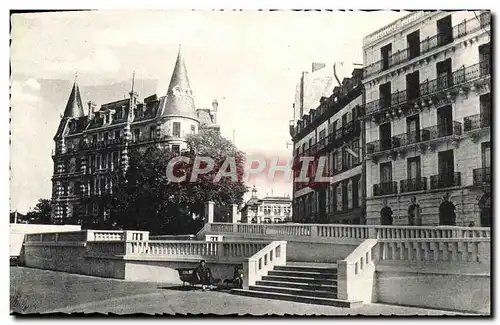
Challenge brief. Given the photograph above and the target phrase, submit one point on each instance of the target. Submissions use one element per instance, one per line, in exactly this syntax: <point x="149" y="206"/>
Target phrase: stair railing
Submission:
<point x="356" y="273"/>
<point x="264" y="260"/>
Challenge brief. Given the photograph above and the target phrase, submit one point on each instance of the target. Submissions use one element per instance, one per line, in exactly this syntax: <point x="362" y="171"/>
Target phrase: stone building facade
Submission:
<point x="92" y="147"/>
<point x="269" y="209"/>
<point x="427" y="78"/>
<point x="332" y="130"/>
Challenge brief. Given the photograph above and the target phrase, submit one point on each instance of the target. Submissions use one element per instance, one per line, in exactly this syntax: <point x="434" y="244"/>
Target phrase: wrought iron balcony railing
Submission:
<point x="102" y="144"/>
<point x="413" y="184"/>
<point x="429" y="87"/>
<point x="482" y="176"/>
<point x="385" y="188"/>
<point x="430" y="43"/>
<point x="445" y="180"/>
<point x="477" y="121"/>
<point x="405" y="139"/>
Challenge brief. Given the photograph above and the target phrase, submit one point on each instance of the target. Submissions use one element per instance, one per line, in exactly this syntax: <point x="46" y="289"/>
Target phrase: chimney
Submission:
<point x="215" y="105"/>
<point x="91" y="106"/>
<point x="317" y="66"/>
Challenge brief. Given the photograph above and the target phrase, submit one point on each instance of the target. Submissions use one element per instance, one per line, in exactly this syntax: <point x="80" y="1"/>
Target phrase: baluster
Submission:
<point x="418" y="251"/>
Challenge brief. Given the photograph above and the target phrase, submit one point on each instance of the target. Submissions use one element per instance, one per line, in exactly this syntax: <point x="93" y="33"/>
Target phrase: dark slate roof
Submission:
<point x="74" y="107"/>
<point x="181" y="102"/>
<point x="204" y="116"/>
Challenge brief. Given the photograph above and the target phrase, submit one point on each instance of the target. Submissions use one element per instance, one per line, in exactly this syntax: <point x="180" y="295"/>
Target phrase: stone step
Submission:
<point x="304" y="268"/>
<point x="299" y="279"/>
<point x="296" y="298"/>
<point x="295" y="291"/>
<point x="302" y="274"/>
<point x="297" y="285"/>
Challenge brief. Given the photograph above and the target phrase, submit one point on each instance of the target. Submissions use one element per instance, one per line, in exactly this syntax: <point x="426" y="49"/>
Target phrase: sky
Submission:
<point x="249" y="61"/>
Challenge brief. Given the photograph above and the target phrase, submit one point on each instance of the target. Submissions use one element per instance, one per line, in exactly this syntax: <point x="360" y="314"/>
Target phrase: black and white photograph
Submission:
<point x="250" y="162"/>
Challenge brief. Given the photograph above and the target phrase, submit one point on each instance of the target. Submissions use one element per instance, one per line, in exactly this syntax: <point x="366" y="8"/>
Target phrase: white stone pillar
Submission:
<point x="209" y="212"/>
<point x="236" y="214"/>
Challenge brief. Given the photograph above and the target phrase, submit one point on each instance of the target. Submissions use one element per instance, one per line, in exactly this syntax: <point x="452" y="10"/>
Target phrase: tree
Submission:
<point x="41" y="213"/>
<point x="146" y="199"/>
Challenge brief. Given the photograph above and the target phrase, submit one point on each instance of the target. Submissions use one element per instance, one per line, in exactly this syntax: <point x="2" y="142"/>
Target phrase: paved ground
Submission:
<point x="34" y="291"/>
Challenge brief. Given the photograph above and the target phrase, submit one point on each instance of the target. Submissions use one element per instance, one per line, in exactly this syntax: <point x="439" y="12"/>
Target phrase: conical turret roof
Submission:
<point x="74" y="107"/>
<point x="180" y="101"/>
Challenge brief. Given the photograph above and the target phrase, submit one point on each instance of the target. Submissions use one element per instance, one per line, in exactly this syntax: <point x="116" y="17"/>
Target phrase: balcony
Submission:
<point x="407" y="140"/>
<point x="445" y="180"/>
<point x="482" y="176"/>
<point x="385" y="188"/>
<point x="413" y="184"/>
<point x="476" y="122"/>
<point x="428" y="92"/>
<point x="102" y="144"/>
<point x="429" y="44"/>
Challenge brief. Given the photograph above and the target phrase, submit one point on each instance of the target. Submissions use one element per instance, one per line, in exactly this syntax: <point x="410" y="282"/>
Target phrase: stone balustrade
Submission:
<point x="191" y="248"/>
<point x="468" y="250"/>
<point x="88" y="236"/>
<point x="261" y="262"/>
<point x="359" y="232"/>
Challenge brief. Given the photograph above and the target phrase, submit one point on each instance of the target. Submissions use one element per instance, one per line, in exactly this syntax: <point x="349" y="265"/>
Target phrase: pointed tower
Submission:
<point x="180" y="101"/>
<point x="74" y="107"/>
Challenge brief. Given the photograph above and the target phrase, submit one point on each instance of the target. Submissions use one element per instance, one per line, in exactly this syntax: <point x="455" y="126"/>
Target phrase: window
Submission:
<point x="444" y="30"/>
<point x="117" y="134"/>
<point x="386" y="172"/>
<point x="137" y="134"/>
<point x="445" y="121"/>
<point x="484" y="59"/>
<point x="116" y="161"/>
<point x="98" y="162"/>
<point x="385" y="53"/>
<point x="105" y="136"/>
<point x="193" y="129"/>
<point x="176" y="149"/>
<point x="385" y="95"/>
<point x="277" y="210"/>
<point x="176" y="131"/>
<point x="485" y="109"/>
<point x="486" y="154"/>
<point x="152" y="133"/>
<point x="94" y="138"/>
<point x="338" y="160"/>
<point x="267" y="210"/>
<point x="349" y="194"/>
<point x="360" y="193"/>
<point x="413" y="41"/>
<point x="339" y="196"/>
<point x="414" y="170"/>
<point x="412" y="85"/>
<point x="322" y="136"/>
<point x="385" y="136"/>
<point x="443" y="71"/>
<point x="413" y="128"/>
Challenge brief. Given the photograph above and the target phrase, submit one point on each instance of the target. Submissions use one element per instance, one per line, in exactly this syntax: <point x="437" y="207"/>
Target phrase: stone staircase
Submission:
<point x="313" y="283"/>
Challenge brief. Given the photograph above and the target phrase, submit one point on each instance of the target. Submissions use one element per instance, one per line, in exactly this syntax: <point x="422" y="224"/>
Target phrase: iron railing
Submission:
<point x="429" y="87"/>
<point x="482" y="176"/>
<point x="430" y="43"/>
<point x="385" y="188"/>
<point x="477" y="121"/>
<point x="445" y="180"/>
<point x="413" y="184"/>
<point x="425" y="134"/>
